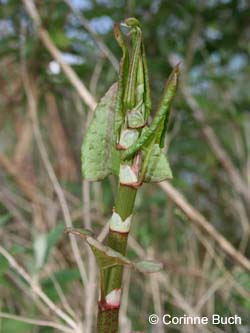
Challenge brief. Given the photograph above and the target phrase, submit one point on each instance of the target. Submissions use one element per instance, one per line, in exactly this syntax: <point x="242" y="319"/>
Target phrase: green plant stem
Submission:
<point x="108" y="318"/>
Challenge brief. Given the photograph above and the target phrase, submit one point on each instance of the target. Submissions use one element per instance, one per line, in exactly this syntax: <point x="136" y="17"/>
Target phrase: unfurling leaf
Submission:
<point x="122" y="81"/>
<point x="165" y="104"/>
<point x="157" y="130"/>
<point x="106" y="257"/>
<point x="120" y="120"/>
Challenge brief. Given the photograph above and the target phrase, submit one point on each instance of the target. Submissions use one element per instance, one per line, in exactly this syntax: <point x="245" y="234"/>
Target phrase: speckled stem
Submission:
<point x="112" y="278"/>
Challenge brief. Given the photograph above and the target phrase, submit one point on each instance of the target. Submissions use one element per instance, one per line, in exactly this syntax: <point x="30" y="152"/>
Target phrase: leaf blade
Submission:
<point x="99" y="158"/>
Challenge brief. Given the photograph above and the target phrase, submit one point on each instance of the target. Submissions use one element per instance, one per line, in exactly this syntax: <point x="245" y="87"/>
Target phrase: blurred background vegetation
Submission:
<point x="42" y="121"/>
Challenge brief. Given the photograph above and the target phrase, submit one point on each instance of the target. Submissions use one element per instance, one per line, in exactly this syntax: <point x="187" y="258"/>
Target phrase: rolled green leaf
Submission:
<point x="122" y="81"/>
<point x="157" y="130"/>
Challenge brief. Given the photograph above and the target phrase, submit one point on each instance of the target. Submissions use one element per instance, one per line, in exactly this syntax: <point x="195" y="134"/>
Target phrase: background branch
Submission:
<point x="200" y="220"/>
<point x="56" y="54"/>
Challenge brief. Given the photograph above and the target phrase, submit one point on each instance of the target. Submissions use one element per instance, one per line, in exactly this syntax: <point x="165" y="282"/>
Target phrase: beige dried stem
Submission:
<point x="66" y="164"/>
<point x="99" y="42"/>
<point x="37" y="322"/>
<point x="197" y="218"/>
<point x="37" y="290"/>
<point x="238" y="182"/>
<point x="56" y="54"/>
<point x="30" y="90"/>
<point x="91" y="286"/>
<point x="210" y="136"/>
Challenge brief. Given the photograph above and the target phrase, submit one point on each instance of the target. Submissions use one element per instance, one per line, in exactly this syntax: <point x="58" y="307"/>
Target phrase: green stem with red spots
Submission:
<point x="108" y="316"/>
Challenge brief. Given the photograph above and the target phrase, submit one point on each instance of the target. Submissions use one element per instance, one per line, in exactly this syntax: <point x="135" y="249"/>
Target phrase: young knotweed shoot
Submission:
<point x="120" y="141"/>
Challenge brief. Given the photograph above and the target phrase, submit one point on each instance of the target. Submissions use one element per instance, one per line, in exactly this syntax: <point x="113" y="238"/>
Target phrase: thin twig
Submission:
<point x="90" y="288"/>
<point x="181" y="301"/>
<point x="209" y="292"/>
<point x="36" y="288"/>
<point x="27" y="187"/>
<point x="101" y="45"/>
<point x="197" y="218"/>
<point x="219" y="262"/>
<point x="220" y="153"/>
<point x="24" y="288"/>
<point x="29" y="89"/>
<point x="36" y="322"/>
<point x="56" y="54"/>
<point x="62" y="296"/>
<point x="156" y="296"/>
<point x="95" y="77"/>
<point x="124" y="321"/>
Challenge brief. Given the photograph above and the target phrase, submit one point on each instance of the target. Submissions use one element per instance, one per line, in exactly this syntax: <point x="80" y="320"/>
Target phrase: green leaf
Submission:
<point x="122" y="81"/>
<point x="158" y="168"/>
<point x="165" y="104"/>
<point x="157" y="130"/>
<point x="99" y="156"/>
<point x="136" y="117"/>
<point x="130" y="92"/>
<point x="147" y="99"/>
<point x="148" y="266"/>
<point x="106" y="257"/>
<point x="132" y="22"/>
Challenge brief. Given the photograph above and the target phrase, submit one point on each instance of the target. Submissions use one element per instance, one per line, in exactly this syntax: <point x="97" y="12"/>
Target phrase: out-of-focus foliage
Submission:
<point x="211" y="39"/>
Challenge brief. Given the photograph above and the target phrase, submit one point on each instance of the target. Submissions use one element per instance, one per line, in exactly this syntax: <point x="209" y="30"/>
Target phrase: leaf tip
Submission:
<point x="149" y="266"/>
<point x="177" y="68"/>
<point x="132" y="22"/>
<point x="173" y="78"/>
